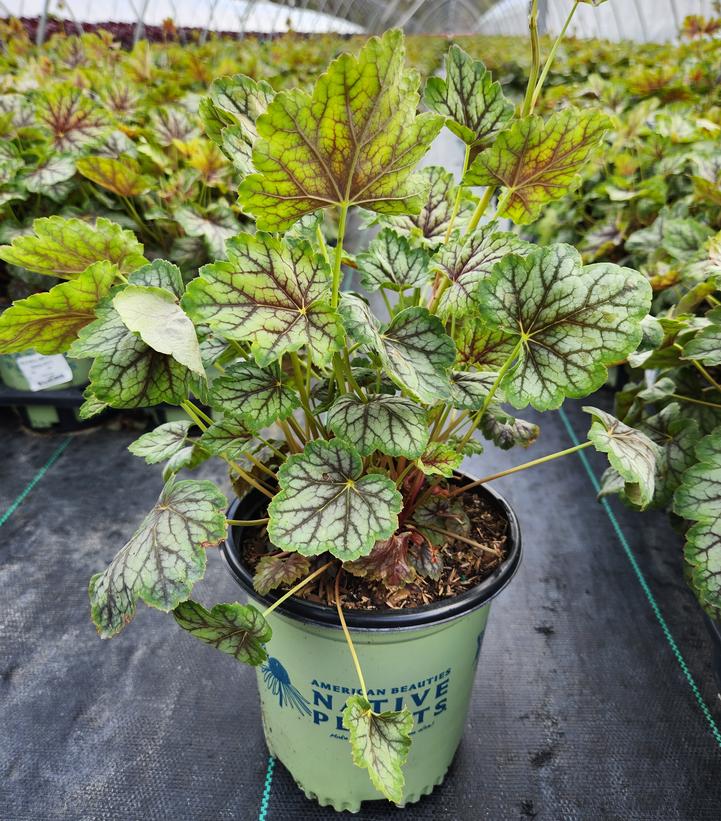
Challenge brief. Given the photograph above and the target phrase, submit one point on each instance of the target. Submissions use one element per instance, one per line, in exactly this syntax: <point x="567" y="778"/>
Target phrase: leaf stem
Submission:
<point x="293" y="590"/>
<point x="200" y="412"/>
<point x="691" y="399"/>
<point x="481" y="209"/>
<point x="460" y="538"/>
<point x="190" y="409"/>
<point x="348" y="639"/>
<point x="476" y="419"/>
<point x="459" y="192"/>
<point x="524" y="466"/>
<point x="264" y="468"/>
<point x="247" y="522"/>
<point x="300" y="386"/>
<point x="338" y="255"/>
<point x="551" y="57"/>
<point x="535" y="59"/>
<point x="243" y="474"/>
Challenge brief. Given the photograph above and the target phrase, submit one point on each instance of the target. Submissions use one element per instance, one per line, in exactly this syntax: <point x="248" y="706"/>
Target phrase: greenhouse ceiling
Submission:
<point x="640" y="20"/>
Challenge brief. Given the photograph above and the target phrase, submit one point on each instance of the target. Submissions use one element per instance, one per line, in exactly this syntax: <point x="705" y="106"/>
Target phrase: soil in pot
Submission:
<point x="461" y="565"/>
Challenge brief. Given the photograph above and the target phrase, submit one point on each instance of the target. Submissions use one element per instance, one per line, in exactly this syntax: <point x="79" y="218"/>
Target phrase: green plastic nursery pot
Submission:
<point x="424" y="658"/>
<point x="29" y="371"/>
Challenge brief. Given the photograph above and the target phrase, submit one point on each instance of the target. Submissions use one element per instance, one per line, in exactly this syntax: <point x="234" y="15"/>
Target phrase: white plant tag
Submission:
<point x="42" y="371"/>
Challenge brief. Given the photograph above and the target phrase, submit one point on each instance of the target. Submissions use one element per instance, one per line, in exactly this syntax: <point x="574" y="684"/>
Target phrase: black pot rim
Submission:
<point x="387" y="619"/>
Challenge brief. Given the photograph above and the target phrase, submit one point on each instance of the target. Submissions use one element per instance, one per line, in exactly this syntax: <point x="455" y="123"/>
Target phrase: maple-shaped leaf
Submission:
<point x="50" y="321"/>
<point x="156" y="316"/>
<point x="482" y="347"/>
<point x="439" y="459"/>
<point x="66" y="247"/>
<point x="698" y="499"/>
<point x="215" y="225"/>
<point x="127" y="373"/>
<point x="169" y="124"/>
<point x="441" y="514"/>
<point x="469" y="389"/>
<point x="414" y="348"/>
<point x="228" y="437"/>
<point x="569" y="322"/>
<point x="121" y="176"/>
<point x="380" y="744"/>
<point x="162" y="443"/>
<point x="163" y="559"/>
<point x="271" y="293"/>
<point x="705" y="346"/>
<point x="430" y="224"/>
<point x="630" y="452"/>
<point x="469" y="260"/>
<point x="276" y="571"/>
<point x="48" y="173"/>
<point x="538" y="161"/>
<point x="390" y="261"/>
<point x="71" y="117"/>
<point x="259" y="396"/>
<point x="236" y="629"/>
<point x="473" y="105"/>
<point x="389" y="560"/>
<point x="229" y="113"/>
<point x="326" y="504"/>
<point x="389" y="424"/>
<point x="354" y="140"/>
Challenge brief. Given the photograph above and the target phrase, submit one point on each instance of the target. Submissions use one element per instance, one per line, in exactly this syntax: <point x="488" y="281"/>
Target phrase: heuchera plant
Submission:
<point x="350" y="423"/>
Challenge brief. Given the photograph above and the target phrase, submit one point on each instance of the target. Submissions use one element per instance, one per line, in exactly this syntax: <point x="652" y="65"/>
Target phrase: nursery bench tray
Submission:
<point x="594" y="697"/>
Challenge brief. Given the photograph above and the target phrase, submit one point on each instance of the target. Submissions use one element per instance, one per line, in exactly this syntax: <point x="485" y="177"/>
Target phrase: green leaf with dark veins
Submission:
<point x="705" y="346"/>
<point x="66" y="247"/>
<point x="188" y="457"/>
<point x="126" y="372"/>
<point x="160" y="444"/>
<point x="698" y="499"/>
<point x="482" y="347"/>
<point x="164" y="558"/>
<point x="215" y="225"/>
<point x="538" y="162"/>
<point x="439" y="459"/>
<point x="92" y="406"/>
<point x="569" y="322"/>
<point x="259" y="396"/>
<point x="466" y="262"/>
<point x="629" y="451"/>
<point x="443" y="513"/>
<point x="268" y="292"/>
<point x="473" y="105"/>
<point x="228" y="437"/>
<point x="416" y="353"/>
<point x="155" y="315"/>
<point x="236" y="629"/>
<point x="276" y="571"/>
<point x="325" y="503"/>
<point x="380" y="744"/>
<point x="469" y="389"/>
<point x="48" y="173"/>
<point x="50" y="321"/>
<point x="389" y="424"/>
<point x="354" y="140"/>
<point x="392" y="262"/>
<point x="429" y="226"/>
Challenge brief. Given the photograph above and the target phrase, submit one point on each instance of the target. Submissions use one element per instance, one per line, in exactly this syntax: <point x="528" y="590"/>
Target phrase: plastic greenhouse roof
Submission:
<point x="640" y="20"/>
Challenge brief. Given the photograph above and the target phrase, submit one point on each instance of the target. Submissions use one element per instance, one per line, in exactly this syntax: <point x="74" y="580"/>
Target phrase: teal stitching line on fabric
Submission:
<point x="644" y="584"/>
<point x="31" y="484"/>
<point x="265" y="800"/>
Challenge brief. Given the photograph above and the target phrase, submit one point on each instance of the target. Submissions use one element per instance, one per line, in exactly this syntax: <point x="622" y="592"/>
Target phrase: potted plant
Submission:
<point x="368" y="557"/>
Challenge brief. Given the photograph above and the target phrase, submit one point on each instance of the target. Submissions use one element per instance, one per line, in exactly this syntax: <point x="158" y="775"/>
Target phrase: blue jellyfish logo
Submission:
<point x="277" y="680"/>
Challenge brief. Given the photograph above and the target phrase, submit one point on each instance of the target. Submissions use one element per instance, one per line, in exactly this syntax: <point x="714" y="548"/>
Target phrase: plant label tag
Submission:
<point x="42" y="371"/>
